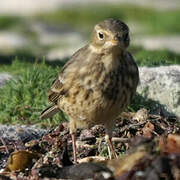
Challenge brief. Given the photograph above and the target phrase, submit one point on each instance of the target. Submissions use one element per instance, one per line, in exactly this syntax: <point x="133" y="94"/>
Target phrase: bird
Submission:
<point x="97" y="83"/>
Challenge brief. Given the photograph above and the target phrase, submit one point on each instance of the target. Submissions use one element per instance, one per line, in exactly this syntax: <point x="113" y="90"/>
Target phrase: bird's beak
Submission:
<point x="114" y="42"/>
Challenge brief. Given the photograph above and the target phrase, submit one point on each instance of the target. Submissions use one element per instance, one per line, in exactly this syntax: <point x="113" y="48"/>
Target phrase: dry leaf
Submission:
<point x="94" y="159"/>
<point x="20" y="160"/>
<point x="148" y="129"/>
<point x="170" y="144"/>
<point x="125" y="164"/>
<point x="141" y="115"/>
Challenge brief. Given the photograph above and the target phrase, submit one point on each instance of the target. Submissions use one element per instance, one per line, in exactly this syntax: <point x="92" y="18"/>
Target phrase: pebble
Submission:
<point x="4" y="77"/>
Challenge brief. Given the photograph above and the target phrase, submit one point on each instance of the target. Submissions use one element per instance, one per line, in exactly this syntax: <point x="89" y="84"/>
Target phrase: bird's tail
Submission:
<point x="49" y="112"/>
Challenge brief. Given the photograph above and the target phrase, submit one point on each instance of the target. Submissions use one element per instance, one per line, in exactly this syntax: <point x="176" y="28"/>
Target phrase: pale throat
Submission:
<point x="114" y="51"/>
<point x="110" y="57"/>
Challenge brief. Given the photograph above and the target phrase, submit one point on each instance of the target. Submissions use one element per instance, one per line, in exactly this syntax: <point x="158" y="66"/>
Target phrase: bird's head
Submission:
<point x="110" y="34"/>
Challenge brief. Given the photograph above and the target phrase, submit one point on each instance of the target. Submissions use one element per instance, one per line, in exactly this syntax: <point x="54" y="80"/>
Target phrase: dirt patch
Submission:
<point x="150" y="142"/>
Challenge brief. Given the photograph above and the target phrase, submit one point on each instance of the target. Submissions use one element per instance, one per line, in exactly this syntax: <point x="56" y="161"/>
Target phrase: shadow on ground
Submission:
<point x="155" y="107"/>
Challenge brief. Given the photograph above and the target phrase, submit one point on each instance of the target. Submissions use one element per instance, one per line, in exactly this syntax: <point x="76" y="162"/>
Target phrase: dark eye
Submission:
<point x="101" y="35"/>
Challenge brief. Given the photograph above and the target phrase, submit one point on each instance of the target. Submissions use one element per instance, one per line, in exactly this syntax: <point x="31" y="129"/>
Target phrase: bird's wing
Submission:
<point x="68" y="74"/>
<point x="55" y="91"/>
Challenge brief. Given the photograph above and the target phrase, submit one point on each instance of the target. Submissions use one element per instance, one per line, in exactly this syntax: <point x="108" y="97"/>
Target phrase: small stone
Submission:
<point x="162" y="86"/>
<point x="4" y="77"/>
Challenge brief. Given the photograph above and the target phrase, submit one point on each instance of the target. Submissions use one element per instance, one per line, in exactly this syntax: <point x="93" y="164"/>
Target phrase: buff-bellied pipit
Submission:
<point x="97" y="83"/>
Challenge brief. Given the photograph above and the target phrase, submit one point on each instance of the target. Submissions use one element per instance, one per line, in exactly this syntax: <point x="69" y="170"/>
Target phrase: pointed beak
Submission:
<point x="116" y="40"/>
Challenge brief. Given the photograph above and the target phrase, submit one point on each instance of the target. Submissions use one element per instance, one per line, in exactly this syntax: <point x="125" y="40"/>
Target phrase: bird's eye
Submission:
<point x="101" y="35"/>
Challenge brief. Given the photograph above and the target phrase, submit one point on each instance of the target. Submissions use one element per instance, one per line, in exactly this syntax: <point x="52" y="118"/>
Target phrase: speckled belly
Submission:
<point x="101" y="101"/>
<point x="92" y="107"/>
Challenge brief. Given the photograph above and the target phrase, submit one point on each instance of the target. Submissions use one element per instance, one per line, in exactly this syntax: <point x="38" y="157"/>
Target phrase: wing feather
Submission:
<point x="65" y="78"/>
<point x="54" y="92"/>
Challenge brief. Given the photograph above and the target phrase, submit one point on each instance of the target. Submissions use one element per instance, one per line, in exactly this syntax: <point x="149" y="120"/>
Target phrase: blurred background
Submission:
<point x="38" y="37"/>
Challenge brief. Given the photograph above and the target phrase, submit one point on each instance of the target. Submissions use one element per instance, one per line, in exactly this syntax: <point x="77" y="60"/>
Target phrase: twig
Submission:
<point x="116" y="139"/>
<point x="123" y="140"/>
<point x="4" y="144"/>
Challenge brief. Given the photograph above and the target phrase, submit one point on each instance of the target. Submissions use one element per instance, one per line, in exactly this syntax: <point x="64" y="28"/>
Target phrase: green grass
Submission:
<point x="154" y="21"/>
<point x="7" y="22"/>
<point x="24" y="97"/>
<point x="154" y="57"/>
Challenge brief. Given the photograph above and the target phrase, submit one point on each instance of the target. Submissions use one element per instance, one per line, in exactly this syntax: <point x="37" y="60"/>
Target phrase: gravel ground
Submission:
<point x="21" y="133"/>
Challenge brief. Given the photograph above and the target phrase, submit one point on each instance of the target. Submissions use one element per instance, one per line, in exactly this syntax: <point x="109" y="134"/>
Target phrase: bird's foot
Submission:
<point x="111" y="149"/>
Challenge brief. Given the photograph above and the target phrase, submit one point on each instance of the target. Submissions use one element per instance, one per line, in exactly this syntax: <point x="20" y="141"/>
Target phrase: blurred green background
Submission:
<point x="37" y="38"/>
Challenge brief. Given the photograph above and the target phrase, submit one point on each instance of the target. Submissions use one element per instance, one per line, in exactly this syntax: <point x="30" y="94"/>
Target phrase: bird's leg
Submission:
<point x="109" y="151"/>
<point x="111" y="147"/>
<point x="74" y="147"/>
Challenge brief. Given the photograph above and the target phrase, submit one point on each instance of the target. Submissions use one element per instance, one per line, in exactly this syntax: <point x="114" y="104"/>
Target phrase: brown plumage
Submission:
<point x="98" y="82"/>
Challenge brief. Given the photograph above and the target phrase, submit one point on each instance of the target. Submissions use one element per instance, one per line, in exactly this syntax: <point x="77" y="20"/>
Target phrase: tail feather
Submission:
<point x="49" y="112"/>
